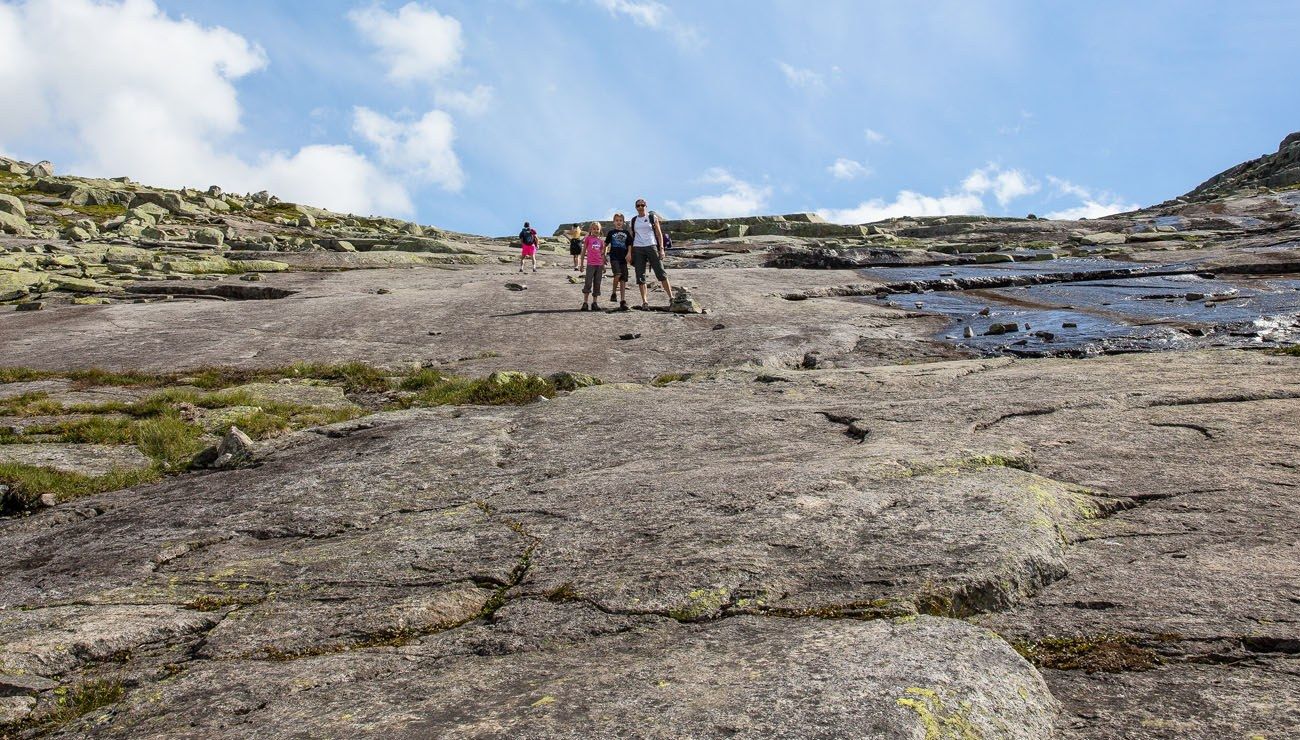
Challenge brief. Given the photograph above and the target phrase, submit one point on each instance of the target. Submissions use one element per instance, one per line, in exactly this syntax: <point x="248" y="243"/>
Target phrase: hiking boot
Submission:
<point x="584" y="308"/>
<point x="622" y="305"/>
<point x="595" y="306"/>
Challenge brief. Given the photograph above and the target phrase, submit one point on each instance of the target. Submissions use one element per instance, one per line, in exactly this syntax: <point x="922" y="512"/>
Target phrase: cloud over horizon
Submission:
<point x="160" y="104"/>
<point x="739" y="198"/>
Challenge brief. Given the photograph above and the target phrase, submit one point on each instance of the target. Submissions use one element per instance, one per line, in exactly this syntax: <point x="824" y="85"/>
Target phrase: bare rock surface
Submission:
<point x="481" y="328"/>
<point x="87" y="459"/>
<point x="343" y="564"/>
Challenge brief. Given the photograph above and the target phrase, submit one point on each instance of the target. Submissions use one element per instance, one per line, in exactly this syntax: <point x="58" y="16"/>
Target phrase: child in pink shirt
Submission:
<point x="593" y="248"/>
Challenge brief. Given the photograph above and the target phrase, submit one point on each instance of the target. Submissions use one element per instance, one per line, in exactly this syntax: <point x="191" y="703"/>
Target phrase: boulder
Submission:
<point x="569" y="381"/>
<point x="12" y="223"/>
<point x="259" y="265"/>
<point x="208" y="236"/>
<point x="11" y="204"/>
<point x="1104" y="238"/>
<point x="235" y="449"/>
<point x="77" y="285"/>
<point x="41" y="169"/>
<point x="506" y="377"/>
<point x="150" y="213"/>
<point x="169" y="201"/>
<point x="20" y="283"/>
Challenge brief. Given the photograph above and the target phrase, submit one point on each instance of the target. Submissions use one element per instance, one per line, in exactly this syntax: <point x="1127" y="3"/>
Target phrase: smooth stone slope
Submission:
<point x="682" y="560"/>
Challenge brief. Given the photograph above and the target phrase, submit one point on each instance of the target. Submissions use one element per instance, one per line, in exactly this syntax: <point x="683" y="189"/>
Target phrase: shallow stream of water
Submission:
<point x="1138" y="313"/>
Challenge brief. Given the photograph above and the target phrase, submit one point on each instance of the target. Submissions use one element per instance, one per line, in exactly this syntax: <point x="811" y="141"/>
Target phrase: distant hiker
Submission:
<point x="527" y="246"/>
<point x="648" y="248"/>
<point x="593" y="248"/>
<point x="617" y="242"/>
<point x="575" y="247"/>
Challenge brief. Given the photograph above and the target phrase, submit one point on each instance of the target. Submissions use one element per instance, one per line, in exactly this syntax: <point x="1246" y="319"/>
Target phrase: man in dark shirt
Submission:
<point x="617" y="241"/>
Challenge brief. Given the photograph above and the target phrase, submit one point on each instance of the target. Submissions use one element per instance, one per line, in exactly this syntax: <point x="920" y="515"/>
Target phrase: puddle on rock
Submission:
<point x="1141" y="313"/>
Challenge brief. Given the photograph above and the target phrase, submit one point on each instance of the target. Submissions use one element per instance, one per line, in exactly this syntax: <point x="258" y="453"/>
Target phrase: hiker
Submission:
<point x="527" y="246"/>
<point x="575" y="247"/>
<point x="617" y="241"/>
<point x="593" y="252"/>
<point x="648" y="248"/>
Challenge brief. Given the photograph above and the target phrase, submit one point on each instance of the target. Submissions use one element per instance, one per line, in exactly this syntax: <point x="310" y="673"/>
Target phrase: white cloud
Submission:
<point x="422" y="149"/>
<point x="739" y="198"/>
<point x="415" y="43"/>
<point x="158" y="103"/>
<point x="335" y="177"/>
<point x="804" y="79"/>
<point x="1006" y="185"/>
<point x="848" y="169"/>
<point x="906" y="203"/>
<point x="476" y="102"/>
<point x="1065" y="187"/>
<point x="1094" y="205"/>
<point x="644" y="13"/>
<point x="1092" y="209"/>
<point x="875" y="137"/>
<point x="653" y="15"/>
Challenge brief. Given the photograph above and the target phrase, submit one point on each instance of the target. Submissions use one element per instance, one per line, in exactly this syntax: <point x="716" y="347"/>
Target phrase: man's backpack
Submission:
<point x="527" y="237"/>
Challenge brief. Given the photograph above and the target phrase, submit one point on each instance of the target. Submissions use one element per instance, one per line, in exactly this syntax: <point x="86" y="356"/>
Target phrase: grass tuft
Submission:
<point x="27" y="483"/>
<point x="667" y="378"/>
<point x="169" y="441"/>
<point x="30" y="404"/>
<point x="498" y="389"/>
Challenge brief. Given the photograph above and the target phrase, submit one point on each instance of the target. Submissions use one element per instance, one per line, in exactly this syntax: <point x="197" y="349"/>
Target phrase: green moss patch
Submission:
<point x="1104" y="653"/>
<point x="498" y="389"/>
<point x="664" y="379"/>
<point x="167" y="426"/>
<point x="100" y="212"/>
<point x="70" y="702"/>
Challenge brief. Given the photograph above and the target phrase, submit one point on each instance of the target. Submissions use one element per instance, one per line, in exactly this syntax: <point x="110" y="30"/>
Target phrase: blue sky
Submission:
<point x="477" y="114"/>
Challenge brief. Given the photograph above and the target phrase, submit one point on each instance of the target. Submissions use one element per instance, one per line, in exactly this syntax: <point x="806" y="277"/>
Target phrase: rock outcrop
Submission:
<point x="1279" y="170"/>
<point x="930" y="477"/>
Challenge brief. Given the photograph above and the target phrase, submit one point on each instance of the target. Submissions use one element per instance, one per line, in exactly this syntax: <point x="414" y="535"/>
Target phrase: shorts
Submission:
<point x="619" y="266"/>
<point x="528" y="250"/>
<point x="575" y="248"/>
<point x="643" y="255"/>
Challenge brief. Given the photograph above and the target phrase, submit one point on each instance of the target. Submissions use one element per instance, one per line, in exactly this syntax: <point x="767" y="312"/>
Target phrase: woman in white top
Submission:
<point x="648" y="248"/>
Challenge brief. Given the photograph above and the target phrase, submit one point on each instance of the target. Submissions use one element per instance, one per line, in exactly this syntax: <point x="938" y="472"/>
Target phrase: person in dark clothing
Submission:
<point x="617" y="241"/>
<point x="575" y="248"/>
<point x="527" y="246"/>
